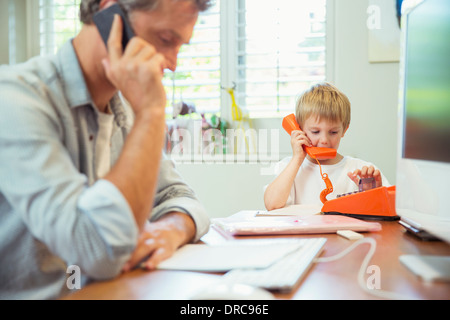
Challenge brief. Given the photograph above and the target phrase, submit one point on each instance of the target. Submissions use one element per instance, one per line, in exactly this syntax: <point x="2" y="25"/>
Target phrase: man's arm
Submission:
<point x="137" y="73"/>
<point x="138" y="169"/>
<point x="177" y="218"/>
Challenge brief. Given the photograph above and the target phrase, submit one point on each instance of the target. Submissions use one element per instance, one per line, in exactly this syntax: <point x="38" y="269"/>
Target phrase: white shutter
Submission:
<point x="272" y="50"/>
<point x="196" y="80"/>
<point x="59" y="21"/>
<point x="281" y="50"/>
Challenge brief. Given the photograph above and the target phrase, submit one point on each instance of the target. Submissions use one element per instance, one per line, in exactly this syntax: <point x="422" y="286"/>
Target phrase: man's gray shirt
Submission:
<point x="54" y="211"/>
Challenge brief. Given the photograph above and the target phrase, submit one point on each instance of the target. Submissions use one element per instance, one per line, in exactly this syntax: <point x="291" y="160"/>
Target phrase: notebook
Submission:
<point x="249" y="223"/>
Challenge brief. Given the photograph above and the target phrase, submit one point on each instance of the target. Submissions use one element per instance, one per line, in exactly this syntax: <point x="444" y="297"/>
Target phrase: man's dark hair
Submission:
<point x="89" y="7"/>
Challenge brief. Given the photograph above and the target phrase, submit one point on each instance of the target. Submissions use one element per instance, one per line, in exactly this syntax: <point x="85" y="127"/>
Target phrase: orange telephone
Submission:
<point x="289" y="124"/>
<point x="373" y="204"/>
<point x="367" y="203"/>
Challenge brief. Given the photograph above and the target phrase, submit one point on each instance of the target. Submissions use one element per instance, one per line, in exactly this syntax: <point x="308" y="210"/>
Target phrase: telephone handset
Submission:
<point x="290" y="124"/>
<point x="104" y="20"/>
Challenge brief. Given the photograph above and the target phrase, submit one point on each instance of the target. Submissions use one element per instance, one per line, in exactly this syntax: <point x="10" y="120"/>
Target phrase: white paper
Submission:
<point x="232" y="255"/>
<point x="294" y="210"/>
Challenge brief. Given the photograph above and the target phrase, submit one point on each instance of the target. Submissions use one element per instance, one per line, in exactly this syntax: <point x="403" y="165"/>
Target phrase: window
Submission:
<point x="270" y="51"/>
<point x="196" y="80"/>
<point x="59" y="22"/>
<point x="280" y="52"/>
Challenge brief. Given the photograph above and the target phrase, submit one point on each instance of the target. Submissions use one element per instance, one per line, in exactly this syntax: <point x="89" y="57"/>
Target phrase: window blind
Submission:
<point x="281" y="50"/>
<point x="196" y="80"/>
<point x="278" y="49"/>
<point x="59" y="22"/>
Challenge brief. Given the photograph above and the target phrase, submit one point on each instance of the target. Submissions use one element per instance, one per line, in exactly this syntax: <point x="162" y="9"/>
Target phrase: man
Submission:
<point x="81" y="172"/>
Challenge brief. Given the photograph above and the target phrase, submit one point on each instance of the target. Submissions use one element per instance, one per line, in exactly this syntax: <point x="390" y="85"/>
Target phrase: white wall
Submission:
<point x="224" y="188"/>
<point x="19" y="37"/>
<point x="373" y="91"/>
<point x="4" y="45"/>
<point x="371" y="88"/>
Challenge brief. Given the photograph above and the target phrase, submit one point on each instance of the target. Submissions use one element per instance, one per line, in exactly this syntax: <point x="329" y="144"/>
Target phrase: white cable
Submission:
<point x="364" y="265"/>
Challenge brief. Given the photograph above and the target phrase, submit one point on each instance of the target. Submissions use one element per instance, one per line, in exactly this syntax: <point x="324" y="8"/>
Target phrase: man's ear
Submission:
<point x="106" y="3"/>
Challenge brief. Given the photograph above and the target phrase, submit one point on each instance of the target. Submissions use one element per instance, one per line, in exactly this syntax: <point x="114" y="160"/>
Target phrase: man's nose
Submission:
<point x="171" y="65"/>
<point x="171" y="60"/>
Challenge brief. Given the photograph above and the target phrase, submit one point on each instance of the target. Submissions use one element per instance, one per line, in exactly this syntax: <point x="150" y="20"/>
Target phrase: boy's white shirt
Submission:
<point x="308" y="183"/>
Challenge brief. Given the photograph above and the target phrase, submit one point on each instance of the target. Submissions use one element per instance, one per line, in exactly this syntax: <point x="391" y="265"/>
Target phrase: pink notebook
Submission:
<point x="247" y="223"/>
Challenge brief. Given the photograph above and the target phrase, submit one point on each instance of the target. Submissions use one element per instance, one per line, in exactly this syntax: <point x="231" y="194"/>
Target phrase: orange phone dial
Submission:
<point x="367" y="203"/>
<point x="290" y="124"/>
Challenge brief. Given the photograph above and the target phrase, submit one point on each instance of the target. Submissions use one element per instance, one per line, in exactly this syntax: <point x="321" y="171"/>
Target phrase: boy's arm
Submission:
<point x="277" y="192"/>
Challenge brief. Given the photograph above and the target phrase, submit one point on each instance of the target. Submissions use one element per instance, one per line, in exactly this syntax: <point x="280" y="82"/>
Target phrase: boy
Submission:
<point x="323" y="113"/>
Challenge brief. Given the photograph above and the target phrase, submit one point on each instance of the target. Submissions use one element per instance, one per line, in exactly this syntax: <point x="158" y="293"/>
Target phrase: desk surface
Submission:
<point x="330" y="280"/>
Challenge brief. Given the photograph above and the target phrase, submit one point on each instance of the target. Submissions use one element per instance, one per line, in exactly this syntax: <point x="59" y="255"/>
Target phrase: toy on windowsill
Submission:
<point x="236" y="112"/>
<point x="241" y="121"/>
<point x="183" y="108"/>
<point x="217" y="123"/>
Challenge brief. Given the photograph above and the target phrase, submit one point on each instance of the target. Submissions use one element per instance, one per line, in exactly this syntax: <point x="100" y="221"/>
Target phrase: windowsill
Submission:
<point x="226" y="159"/>
<point x="252" y="116"/>
<point x="267" y="115"/>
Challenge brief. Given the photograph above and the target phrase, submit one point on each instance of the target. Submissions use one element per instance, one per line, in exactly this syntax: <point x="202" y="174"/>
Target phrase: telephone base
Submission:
<point x="373" y="204"/>
<point x="365" y="217"/>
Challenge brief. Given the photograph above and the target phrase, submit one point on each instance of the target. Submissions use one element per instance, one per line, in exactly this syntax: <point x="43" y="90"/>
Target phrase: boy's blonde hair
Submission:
<point x="324" y="101"/>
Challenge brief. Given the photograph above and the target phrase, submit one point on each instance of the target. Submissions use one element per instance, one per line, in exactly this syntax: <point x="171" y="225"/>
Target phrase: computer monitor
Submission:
<point x="423" y="161"/>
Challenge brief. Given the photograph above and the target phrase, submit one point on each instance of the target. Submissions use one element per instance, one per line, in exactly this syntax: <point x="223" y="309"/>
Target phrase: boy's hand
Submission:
<point x="366" y="172"/>
<point x="298" y="139"/>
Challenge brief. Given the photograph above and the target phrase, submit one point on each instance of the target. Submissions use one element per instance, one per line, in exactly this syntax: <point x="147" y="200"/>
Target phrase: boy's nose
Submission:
<point x="323" y="141"/>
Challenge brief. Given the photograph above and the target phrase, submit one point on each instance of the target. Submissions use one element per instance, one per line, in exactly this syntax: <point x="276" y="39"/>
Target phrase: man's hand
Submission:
<point x="137" y="72"/>
<point x="160" y="239"/>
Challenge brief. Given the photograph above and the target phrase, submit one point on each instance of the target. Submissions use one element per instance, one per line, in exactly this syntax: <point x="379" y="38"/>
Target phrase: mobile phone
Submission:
<point x="290" y="123"/>
<point x="104" y="19"/>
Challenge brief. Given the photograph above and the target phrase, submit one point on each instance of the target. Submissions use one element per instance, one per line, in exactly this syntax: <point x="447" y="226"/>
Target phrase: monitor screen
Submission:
<point x="427" y="89"/>
<point x="423" y="161"/>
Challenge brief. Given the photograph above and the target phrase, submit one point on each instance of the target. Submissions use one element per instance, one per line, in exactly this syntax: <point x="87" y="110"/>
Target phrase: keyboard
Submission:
<point x="283" y="275"/>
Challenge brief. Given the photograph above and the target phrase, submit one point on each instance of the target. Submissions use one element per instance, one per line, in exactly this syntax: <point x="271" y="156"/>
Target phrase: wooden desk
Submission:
<point x="330" y="280"/>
